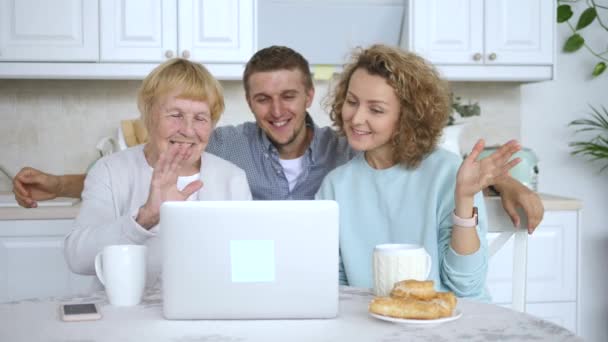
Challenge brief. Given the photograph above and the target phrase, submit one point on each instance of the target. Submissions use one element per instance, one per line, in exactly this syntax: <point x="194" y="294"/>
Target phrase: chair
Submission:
<point x="500" y="222"/>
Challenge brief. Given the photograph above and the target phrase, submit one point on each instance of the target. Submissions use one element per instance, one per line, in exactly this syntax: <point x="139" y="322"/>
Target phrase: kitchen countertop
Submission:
<point x="40" y="213"/>
<point x="550" y="202"/>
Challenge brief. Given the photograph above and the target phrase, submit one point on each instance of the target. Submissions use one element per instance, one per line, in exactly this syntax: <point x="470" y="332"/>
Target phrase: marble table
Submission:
<point x="38" y="320"/>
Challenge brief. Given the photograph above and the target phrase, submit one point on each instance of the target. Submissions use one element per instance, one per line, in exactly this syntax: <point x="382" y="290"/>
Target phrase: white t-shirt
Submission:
<point x="292" y="169"/>
<point x="185" y="180"/>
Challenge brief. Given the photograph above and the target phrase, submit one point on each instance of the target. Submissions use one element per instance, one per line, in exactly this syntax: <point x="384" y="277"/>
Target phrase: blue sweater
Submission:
<point x="397" y="205"/>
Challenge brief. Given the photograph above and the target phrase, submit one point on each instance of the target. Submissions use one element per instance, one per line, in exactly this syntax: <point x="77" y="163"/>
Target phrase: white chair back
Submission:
<point x="500" y="222"/>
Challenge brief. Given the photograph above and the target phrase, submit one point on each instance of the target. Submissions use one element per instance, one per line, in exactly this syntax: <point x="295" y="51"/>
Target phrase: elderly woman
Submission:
<point x="180" y="103"/>
<point x="392" y="106"/>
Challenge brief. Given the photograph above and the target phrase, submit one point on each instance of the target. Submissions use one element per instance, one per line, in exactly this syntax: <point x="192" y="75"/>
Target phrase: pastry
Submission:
<point x="414" y="288"/>
<point x="406" y="308"/>
<point x="414" y="299"/>
<point x="446" y="299"/>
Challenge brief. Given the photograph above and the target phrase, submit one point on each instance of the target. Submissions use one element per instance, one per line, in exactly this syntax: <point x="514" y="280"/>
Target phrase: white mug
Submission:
<point x="395" y="262"/>
<point x="122" y="270"/>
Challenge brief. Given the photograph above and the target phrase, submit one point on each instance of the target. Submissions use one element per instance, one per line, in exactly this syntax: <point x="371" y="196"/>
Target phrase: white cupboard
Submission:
<point x="123" y="39"/>
<point x="42" y="30"/>
<point x="552" y="270"/>
<point x="216" y="31"/>
<point x="137" y="31"/>
<point x="151" y="31"/>
<point x="32" y="262"/>
<point x="486" y="39"/>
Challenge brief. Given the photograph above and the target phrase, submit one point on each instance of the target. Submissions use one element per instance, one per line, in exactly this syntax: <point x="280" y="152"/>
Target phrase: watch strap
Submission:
<point x="470" y="222"/>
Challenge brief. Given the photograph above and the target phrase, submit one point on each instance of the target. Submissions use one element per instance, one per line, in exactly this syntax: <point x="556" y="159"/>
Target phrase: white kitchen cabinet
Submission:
<point x="42" y="30"/>
<point x="552" y="272"/>
<point x="215" y="31"/>
<point x="220" y="31"/>
<point x="484" y="39"/>
<point x="32" y="263"/>
<point x="137" y="31"/>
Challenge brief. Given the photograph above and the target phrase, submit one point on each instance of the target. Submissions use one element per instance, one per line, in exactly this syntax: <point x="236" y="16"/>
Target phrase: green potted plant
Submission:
<point x="457" y="122"/>
<point x="596" y="147"/>
<point x="591" y="14"/>
<point x="461" y="110"/>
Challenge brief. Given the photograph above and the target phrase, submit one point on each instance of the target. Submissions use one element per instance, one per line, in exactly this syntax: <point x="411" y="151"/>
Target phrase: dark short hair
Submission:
<point x="423" y="97"/>
<point x="275" y="58"/>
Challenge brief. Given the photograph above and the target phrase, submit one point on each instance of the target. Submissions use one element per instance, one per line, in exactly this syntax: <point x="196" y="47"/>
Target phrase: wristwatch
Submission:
<point x="470" y="222"/>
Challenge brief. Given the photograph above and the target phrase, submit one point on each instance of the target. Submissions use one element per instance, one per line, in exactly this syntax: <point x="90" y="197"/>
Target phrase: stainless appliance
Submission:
<point x="526" y="171"/>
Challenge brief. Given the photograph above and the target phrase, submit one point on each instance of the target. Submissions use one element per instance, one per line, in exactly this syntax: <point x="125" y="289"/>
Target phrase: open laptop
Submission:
<point x="249" y="259"/>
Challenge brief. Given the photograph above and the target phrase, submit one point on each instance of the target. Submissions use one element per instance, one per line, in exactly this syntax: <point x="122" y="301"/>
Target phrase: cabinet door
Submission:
<point x="219" y="31"/>
<point x="138" y="30"/>
<point x="32" y="263"/>
<point x="448" y="31"/>
<point x="519" y="32"/>
<point x="42" y="30"/>
<point x="552" y="258"/>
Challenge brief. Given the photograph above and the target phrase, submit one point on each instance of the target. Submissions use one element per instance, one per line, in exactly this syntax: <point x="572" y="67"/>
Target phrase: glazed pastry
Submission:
<point x="414" y="288"/>
<point x="414" y="299"/>
<point x="447" y="300"/>
<point x="407" y="308"/>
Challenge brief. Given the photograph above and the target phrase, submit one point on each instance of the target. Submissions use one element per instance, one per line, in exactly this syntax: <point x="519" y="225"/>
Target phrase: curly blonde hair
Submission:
<point x="423" y="97"/>
<point x="193" y="81"/>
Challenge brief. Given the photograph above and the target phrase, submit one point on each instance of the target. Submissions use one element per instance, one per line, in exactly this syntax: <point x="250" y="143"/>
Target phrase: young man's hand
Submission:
<point x="516" y="195"/>
<point x="31" y="185"/>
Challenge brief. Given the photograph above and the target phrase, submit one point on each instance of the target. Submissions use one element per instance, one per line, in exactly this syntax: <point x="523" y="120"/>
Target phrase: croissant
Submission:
<point x="414" y="288"/>
<point x="415" y="299"/>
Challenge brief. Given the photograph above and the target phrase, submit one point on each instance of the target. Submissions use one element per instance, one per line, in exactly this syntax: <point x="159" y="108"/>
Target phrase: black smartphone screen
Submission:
<point x="76" y="309"/>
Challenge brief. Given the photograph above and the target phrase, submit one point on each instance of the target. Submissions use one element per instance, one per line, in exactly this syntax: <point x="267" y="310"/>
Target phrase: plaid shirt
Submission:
<point x="249" y="148"/>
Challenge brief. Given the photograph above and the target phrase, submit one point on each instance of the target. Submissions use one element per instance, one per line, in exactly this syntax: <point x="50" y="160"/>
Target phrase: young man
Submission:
<point x="284" y="154"/>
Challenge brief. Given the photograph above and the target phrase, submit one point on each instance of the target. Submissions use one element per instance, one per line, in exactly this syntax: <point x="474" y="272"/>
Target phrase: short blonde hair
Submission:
<point x="193" y="81"/>
<point x="423" y="97"/>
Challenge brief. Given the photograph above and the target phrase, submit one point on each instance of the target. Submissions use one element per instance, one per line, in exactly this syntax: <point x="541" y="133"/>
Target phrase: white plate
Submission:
<point x="455" y="315"/>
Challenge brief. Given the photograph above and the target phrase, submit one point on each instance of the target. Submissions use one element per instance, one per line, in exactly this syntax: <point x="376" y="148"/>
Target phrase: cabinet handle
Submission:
<point x="169" y="53"/>
<point x="477" y="57"/>
<point x="186" y="54"/>
<point x="492" y="56"/>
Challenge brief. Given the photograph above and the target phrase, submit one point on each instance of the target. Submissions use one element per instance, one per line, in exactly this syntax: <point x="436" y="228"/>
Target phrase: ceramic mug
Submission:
<point x="122" y="270"/>
<point x="395" y="262"/>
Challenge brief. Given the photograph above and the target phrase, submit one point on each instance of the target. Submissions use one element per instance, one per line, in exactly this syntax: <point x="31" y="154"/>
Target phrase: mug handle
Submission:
<point x="429" y="264"/>
<point x="99" y="268"/>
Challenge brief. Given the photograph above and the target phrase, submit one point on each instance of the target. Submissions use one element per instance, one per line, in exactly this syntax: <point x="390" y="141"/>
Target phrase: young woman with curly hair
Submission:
<point x="392" y="106"/>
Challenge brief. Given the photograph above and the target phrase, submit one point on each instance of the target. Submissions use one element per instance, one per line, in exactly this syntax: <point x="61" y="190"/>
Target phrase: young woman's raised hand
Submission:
<point x="475" y="175"/>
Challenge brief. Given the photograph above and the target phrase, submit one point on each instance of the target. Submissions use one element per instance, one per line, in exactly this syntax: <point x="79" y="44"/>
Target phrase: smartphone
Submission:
<point x="79" y="312"/>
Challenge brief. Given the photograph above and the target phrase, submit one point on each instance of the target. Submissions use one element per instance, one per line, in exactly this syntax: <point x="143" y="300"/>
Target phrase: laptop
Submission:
<point x="249" y="259"/>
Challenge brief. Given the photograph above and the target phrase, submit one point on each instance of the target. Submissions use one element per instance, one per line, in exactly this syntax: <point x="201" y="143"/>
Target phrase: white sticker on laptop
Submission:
<point x="252" y="261"/>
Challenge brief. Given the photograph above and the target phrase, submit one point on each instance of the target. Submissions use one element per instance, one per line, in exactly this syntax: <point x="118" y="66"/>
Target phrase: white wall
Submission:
<point x="54" y="125"/>
<point x="546" y="110"/>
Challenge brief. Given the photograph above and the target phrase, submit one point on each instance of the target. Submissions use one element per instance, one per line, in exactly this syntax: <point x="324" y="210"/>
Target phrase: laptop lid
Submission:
<point x="249" y="259"/>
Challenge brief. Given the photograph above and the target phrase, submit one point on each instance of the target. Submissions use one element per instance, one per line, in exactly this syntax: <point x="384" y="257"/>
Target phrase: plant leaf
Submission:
<point x="595" y="148"/>
<point x="586" y="18"/>
<point x="599" y="68"/>
<point x="574" y="43"/>
<point x="564" y="12"/>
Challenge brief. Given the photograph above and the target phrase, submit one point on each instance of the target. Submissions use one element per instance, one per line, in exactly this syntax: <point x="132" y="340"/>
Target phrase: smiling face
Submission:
<point x="279" y="100"/>
<point x="371" y="113"/>
<point x="183" y="122"/>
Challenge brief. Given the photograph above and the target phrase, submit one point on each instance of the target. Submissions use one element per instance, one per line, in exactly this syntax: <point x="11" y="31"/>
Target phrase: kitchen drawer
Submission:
<point x="32" y="262"/>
